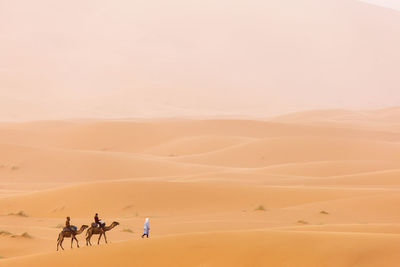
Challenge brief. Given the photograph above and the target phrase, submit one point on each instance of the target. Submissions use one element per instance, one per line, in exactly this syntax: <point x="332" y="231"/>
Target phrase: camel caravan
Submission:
<point x="97" y="228"/>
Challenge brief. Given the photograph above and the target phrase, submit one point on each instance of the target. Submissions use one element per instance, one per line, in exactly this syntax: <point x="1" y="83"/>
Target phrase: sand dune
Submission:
<point x="21" y="163"/>
<point x="386" y="119"/>
<point x="253" y="248"/>
<point x="328" y="168"/>
<point x="98" y="150"/>
<point x="386" y="115"/>
<point x="374" y="179"/>
<point x="282" y="150"/>
<point x="168" y="198"/>
<point x="263" y="192"/>
<point x="139" y="135"/>
<point x="196" y="145"/>
<point x="348" y="228"/>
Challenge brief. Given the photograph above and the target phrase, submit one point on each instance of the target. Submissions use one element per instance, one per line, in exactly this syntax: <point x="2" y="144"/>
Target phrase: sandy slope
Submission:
<point x="273" y="151"/>
<point x="168" y="198"/>
<point x="322" y="194"/>
<point x="252" y="248"/>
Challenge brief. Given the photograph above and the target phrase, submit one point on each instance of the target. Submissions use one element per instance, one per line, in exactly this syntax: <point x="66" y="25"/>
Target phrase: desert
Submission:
<point x="217" y="192"/>
<point x="200" y="133"/>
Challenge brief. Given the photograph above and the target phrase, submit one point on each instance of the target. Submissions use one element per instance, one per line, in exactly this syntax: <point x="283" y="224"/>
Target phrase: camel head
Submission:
<point x="111" y="226"/>
<point x="84" y="226"/>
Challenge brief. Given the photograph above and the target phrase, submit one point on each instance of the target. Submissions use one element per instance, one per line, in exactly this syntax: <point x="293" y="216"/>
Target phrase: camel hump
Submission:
<point x="73" y="228"/>
<point x="102" y="223"/>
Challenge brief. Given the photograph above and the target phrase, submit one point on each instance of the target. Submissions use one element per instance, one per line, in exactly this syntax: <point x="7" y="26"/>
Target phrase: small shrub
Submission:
<point x="261" y="208"/>
<point x="127" y="230"/>
<point x="128" y="207"/>
<point x="2" y="232"/>
<point x="324" y="212"/>
<point x="302" y="222"/>
<point x="26" y="235"/>
<point x="14" y="167"/>
<point x="21" y="213"/>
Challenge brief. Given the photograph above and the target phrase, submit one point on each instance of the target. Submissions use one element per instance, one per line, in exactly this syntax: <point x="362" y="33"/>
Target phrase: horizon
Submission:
<point x="278" y="117"/>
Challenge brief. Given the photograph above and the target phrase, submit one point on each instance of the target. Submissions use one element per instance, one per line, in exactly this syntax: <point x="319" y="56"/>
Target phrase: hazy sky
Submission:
<point x="395" y="4"/>
<point x="129" y="58"/>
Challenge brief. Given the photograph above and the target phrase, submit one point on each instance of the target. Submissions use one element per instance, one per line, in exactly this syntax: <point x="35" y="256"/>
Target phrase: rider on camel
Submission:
<point x="97" y="220"/>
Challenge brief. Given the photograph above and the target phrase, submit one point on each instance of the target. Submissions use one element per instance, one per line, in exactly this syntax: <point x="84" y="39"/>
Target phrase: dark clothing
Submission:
<point x="145" y="235"/>
<point x="68" y="226"/>
<point x="97" y="220"/>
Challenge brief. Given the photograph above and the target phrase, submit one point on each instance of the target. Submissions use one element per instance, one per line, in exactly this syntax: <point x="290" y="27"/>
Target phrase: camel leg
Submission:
<point x="61" y="241"/>
<point x="77" y="243"/>
<point x="58" y="242"/>
<point x="98" y="241"/>
<point x="88" y="239"/>
<point x="105" y="237"/>
<point x="72" y="240"/>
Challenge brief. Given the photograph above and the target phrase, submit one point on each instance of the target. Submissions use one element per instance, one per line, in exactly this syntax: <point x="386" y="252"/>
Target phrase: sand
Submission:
<point x="295" y="190"/>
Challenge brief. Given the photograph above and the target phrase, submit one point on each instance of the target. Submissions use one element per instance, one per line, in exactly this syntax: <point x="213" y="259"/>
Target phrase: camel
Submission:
<point x="99" y="231"/>
<point x="67" y="234"/>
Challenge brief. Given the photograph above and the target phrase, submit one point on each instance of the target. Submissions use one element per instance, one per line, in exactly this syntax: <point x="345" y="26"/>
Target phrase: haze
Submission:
<point x="66" y="59"/>
<point x="395" y="4"/>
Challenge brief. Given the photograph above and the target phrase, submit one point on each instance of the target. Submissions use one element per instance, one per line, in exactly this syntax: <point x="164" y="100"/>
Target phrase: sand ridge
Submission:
<point x="263" y="192"/>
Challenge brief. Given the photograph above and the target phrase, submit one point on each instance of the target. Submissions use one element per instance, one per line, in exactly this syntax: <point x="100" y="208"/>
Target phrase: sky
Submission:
<point x="395" y="4"/>
<point x="155" y="58"/>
